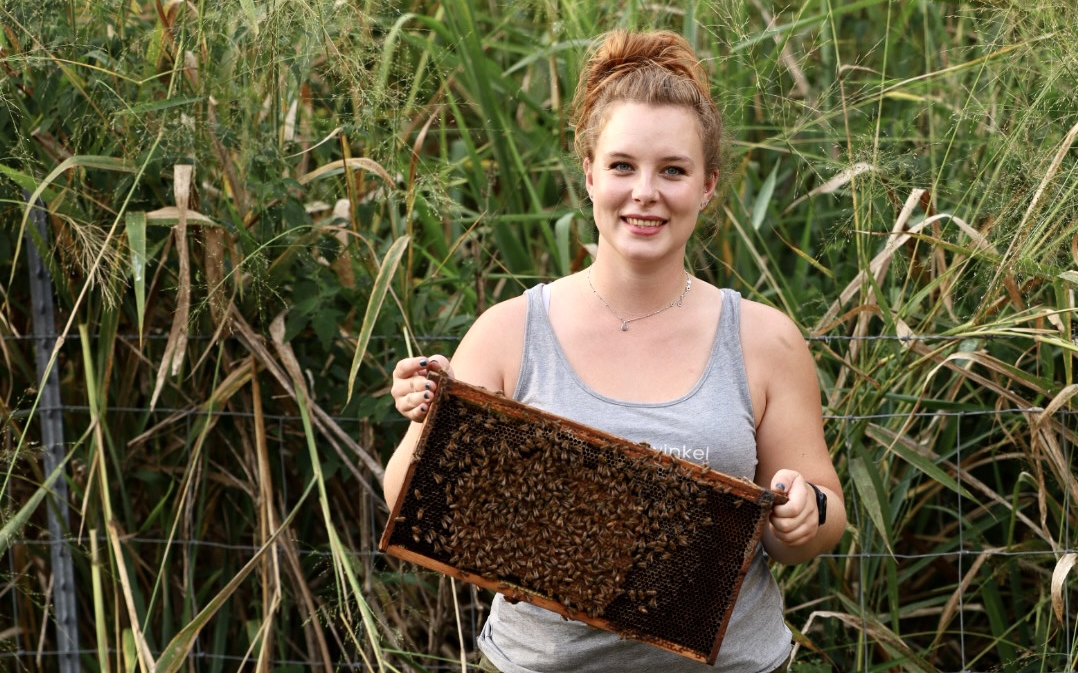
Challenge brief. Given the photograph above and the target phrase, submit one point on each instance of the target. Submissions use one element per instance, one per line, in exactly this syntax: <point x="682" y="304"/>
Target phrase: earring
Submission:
<point x="704" y="203"/>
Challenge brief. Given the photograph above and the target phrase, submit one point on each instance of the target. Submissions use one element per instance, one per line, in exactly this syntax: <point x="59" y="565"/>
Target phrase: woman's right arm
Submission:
<point x="488" y="356"/>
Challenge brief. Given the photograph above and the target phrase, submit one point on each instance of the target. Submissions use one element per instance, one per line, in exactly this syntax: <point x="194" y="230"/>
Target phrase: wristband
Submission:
<point x="821" y="502"/>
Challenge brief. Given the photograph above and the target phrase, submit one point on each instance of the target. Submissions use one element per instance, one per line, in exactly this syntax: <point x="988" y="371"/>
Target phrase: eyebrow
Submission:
<point x="675" y="158"/>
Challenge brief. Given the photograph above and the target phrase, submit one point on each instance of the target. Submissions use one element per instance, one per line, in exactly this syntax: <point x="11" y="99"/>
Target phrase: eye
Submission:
<point x="673" y="171"/>
<point x="620" y="167"/>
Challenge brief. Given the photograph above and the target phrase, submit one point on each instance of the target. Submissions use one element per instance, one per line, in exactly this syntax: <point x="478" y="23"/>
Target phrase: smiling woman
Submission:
<point x="636" y="346"/>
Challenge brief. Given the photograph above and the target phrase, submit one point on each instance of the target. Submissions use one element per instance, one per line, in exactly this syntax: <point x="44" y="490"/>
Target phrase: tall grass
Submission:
<point x="256" y="208"/>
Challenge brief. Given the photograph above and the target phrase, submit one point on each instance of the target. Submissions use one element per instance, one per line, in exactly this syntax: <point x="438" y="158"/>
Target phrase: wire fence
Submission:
<point x="28" y="644"/>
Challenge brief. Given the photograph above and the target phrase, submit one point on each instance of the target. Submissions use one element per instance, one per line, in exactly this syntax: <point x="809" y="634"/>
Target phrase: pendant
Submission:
<point x="624" y="325"/>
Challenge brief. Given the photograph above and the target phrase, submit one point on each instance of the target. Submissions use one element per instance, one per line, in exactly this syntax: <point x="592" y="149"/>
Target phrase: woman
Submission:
<point x="635" y="346"/>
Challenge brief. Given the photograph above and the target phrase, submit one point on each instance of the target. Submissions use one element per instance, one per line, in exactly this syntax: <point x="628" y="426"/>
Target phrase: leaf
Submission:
<point x="27" y="182"/>
<point x="177" y="338"/>
<point x="910" y="452"/>
<point x="170" y="215"/>
<point x="136" y="243"/>
<point x="869" y="487"/>
<point x="15" y="524"/>
<point x="763" y="198"/>
<point x="374" y="306"/>
<point x="562" y="229"/>
<point x="1059" y="579"/>
<point x="335" y="167"/>
<point x="842" y="178"/>
<point x="130" y="653"/>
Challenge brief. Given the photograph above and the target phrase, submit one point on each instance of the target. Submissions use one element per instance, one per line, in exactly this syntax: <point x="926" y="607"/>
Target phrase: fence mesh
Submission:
<point x="869" y="568"/>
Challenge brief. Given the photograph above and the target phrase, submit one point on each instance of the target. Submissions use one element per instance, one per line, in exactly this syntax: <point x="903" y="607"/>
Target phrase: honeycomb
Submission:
<point x="575" y="520"/>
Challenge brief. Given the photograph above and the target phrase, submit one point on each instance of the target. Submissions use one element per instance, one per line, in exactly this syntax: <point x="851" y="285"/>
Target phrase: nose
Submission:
<point x="644" y="188"/>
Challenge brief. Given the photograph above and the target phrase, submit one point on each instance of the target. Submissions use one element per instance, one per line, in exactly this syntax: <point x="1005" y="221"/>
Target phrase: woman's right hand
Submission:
<point x="412" y="391"/>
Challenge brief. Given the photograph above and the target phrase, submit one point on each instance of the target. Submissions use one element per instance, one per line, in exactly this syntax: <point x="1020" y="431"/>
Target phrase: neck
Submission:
<point x="632" y="292"/>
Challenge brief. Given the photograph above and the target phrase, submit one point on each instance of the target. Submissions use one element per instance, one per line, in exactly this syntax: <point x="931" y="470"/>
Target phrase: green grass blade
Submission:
<point x="374" y="305"/>
<point x="873" y="498"/>
<point x="14" y="525"/>
<point x="136" y="242"/>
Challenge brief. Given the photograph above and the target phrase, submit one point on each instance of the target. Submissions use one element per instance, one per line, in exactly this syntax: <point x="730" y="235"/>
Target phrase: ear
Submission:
<point x="710" y="182"/>
<point x="589" y="183"/>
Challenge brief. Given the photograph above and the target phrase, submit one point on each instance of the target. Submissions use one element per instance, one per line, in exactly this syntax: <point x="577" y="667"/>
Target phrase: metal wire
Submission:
<point x="314" y="557"/>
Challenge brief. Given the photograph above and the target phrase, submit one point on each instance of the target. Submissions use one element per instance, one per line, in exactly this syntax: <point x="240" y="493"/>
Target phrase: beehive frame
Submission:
<point x="575" y="520"/>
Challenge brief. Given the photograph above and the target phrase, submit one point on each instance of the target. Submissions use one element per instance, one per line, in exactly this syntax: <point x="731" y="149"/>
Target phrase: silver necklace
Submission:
<point x="625" y="321"/>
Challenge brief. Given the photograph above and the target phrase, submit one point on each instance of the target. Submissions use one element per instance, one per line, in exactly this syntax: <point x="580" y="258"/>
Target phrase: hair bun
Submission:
<point x="620" y="53"/>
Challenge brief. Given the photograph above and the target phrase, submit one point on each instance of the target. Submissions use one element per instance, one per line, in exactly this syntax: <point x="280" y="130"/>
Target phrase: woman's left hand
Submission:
<point x="796" y="521"/>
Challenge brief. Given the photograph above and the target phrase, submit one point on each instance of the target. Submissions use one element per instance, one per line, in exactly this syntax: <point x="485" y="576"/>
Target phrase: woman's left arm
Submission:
<point x="790" y="446"/>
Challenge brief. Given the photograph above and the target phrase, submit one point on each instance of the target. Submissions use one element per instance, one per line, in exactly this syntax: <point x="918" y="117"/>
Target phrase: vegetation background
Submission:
<point x="255" y="207"/>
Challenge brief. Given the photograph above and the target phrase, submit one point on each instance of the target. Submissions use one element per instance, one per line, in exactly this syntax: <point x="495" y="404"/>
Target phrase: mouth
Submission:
<point x="644" y="222"/>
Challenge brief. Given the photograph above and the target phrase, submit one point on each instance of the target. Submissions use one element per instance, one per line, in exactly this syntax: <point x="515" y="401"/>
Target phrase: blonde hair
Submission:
<point x="656" y="68"/>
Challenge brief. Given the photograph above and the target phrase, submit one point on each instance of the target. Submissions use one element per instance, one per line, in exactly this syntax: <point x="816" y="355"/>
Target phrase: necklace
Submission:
<point x="625" y="321"/>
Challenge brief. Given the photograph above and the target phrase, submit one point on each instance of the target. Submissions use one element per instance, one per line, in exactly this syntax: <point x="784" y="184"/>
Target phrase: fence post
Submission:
<point x="52" y="440"/>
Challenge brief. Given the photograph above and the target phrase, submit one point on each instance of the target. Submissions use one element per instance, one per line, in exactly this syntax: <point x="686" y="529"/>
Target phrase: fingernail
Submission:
<point x="780" y="487"/>
<point x="427" y="385"/>
<point x="422" y="408"/>
<point x="423" y="362"/>
<point x="426" y="396"/>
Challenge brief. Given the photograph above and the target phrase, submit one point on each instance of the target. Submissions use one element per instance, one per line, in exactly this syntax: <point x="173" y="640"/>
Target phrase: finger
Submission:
<point x="409" y="367"/>
<point x="440" y="363"/>
<point x="414" y="405"/>
<point x="784" y="480"/>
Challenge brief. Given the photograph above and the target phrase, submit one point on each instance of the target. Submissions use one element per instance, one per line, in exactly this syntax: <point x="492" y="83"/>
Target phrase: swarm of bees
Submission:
<point x="598" y="529"/>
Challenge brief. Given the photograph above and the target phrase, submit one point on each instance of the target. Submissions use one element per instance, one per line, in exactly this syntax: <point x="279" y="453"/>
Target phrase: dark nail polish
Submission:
<point x="426" y="396"/>
<point x="423" y="362"/>
<point x="780" y="487"/>
<point x="422" y="408"/>
<point x="427" y="385"/>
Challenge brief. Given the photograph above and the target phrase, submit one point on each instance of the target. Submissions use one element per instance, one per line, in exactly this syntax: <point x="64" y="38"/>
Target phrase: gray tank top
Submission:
<point x="713" y="423"/>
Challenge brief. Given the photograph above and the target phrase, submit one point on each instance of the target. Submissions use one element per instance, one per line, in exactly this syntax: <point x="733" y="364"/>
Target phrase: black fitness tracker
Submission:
<point x="821" y="502"/>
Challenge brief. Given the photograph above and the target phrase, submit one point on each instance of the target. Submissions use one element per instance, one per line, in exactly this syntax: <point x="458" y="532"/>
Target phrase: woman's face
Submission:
<point x="648" y="182"/>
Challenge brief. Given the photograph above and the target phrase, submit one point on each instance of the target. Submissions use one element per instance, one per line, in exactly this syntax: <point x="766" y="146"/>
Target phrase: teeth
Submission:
<point x="636" y="222"/>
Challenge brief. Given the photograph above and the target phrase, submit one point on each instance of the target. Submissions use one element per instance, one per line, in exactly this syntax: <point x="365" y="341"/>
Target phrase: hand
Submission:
<point x="796" y="521"/>
<point x="412" y="391"/>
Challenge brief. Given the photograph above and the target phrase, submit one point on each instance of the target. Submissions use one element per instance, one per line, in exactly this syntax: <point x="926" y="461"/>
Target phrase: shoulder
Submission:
<point x="504" y="316"/>
<point x="774" y="348"/>
<point x="766" y="327"/>
<point x="489" y="353"/>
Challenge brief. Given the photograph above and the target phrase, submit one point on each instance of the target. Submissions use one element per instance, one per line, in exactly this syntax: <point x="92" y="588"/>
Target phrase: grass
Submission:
<point x="256" y="209"/>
